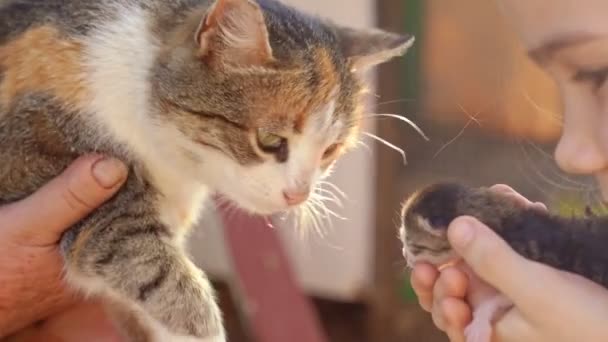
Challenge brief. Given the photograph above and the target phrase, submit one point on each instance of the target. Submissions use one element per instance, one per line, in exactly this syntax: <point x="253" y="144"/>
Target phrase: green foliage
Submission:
<point x="569" y="205"/>
<point x="406" y="290"/>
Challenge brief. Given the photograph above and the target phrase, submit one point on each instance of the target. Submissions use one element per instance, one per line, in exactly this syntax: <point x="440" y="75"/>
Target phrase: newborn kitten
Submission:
<point x="253" y="100"/>
<point x="572" y="244"/>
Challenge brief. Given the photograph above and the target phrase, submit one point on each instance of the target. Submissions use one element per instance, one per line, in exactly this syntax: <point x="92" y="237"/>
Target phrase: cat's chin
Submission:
<point x="258" y="207"/>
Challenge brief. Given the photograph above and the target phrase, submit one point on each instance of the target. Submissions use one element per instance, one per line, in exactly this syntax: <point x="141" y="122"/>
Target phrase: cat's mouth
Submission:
<point x="436" y="255"/>
<point x="261" y="206"/>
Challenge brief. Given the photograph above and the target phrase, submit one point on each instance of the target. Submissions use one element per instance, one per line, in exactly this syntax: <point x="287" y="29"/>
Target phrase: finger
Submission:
<point x="494" y="261"/>
<point x="452" y="282"/>
<point x="539" y="205"/>
<point x="85" y="321"/>
<point x="423" y="279"/>
<point x="512" y="326"/>
<point x="451" y="285"/>
<point x="516" y="196"/>
<point x="456" y="315"/>
<point x="451" y="315"/>
<point x="438" y="317"/>
<point x="42" y="217"/>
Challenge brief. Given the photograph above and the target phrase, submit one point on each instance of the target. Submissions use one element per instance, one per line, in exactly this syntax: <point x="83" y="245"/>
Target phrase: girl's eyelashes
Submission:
<point x="596" y="77"/>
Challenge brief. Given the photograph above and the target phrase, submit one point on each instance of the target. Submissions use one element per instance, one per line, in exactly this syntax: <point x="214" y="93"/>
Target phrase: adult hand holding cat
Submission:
<point x="30" y="264"/>
<point x="543" y="297"/>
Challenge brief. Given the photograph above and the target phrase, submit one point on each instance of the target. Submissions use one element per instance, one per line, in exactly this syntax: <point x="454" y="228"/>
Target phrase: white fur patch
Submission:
<point x="425" y="256"/>
<point x="161" y="334"/>
<point x="427" y="227"/>
<point x="119" y="57"/>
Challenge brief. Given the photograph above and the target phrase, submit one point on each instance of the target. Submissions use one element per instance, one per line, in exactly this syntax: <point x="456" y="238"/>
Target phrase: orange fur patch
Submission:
<point x="327" y="71"/>
<point x="330" y="80"/>
<point x="40" y="60"/>
<point x="80" y="243"/>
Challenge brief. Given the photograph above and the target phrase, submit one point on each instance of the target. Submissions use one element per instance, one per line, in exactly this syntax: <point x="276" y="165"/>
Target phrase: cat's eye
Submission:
<point x="270" y="142"/>
<point x="597" y="78"/>
<point x="331" y="150"/>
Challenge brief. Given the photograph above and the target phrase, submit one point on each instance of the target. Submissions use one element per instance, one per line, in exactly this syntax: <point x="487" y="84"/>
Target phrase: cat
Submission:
<point x="253" y="100"/>
<point x="573" y="244"/>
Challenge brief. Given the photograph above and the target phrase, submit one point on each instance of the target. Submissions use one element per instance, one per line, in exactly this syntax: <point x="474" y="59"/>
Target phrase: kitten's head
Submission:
<point x="271" y="97"/>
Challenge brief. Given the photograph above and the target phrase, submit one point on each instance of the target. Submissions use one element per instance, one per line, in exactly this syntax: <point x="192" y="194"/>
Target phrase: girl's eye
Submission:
<point x="269" y="142"/>
<point x="331" y="150"/>
<point x="595" y="77"/>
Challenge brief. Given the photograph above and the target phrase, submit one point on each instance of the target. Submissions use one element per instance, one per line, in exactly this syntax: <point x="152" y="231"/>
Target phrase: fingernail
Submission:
<point x="109" y="172"/>
<point x="462" y="234"/>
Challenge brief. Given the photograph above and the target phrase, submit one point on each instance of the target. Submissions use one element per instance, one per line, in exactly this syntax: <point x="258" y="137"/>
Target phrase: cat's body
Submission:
<point x="251" y="99"/>
<point x="575" y="244"/>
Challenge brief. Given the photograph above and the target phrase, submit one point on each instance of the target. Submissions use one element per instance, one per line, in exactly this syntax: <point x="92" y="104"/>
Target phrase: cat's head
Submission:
<point x="271" y="97"/>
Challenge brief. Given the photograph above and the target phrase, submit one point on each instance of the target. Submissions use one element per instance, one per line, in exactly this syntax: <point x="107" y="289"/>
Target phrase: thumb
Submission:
<point x="41" y="218"/>
<point x="494" y="261"/>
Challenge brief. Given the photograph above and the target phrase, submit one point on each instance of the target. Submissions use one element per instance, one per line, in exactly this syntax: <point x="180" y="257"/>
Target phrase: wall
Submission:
<point x="338" y="265"/>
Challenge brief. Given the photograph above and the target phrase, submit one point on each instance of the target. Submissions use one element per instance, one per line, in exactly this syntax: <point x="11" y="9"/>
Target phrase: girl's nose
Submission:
<point x="580" y="149"/>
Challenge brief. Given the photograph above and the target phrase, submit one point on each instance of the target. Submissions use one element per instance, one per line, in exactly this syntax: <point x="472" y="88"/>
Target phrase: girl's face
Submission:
<point x="569" y="40"/>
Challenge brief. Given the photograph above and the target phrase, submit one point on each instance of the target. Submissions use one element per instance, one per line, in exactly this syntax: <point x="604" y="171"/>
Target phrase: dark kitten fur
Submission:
<point x="251" y="99"/>
<point x="576" y="244"/>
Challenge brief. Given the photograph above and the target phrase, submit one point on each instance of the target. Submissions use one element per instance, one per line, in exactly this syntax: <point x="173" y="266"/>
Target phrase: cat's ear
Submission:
<point x="234" y="32"/>
<point x="366" y="48"/>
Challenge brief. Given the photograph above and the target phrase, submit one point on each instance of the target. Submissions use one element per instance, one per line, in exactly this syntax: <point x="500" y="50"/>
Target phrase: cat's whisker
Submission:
<point x="300" y="223"/>
<point x="547" y="179"/>
<point x="451" y="141"/>
<point x="557" y="173"/>
<point x="389" y="145"/>
<point x="320" y="211"/>
<point x="333" y="197"/>
<point x="400" y="118"/>
<point x="229" y="208"/>
<point x="334" y="187"/>
<point x="304" y="221"/>
<point x="472" y="117"/>
<point x="531" y="181"/>
<point x="364" y="145"/>
<point x="556" y="118"/>
<point x="313" y="216"/>
<point x="329" y="213"/>
<point x="394" y="101"/>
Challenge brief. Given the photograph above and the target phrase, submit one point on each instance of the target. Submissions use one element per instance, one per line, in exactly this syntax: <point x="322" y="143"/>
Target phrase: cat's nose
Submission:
<point x="296" y="196"/>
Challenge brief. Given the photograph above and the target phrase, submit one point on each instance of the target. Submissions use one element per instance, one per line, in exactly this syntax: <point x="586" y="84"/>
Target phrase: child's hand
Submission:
<point x="550" y="305"/>
<point x="30" y="263"/>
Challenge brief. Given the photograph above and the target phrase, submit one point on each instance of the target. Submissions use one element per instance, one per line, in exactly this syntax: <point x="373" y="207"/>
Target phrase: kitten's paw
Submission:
<point x="479" y="330"/>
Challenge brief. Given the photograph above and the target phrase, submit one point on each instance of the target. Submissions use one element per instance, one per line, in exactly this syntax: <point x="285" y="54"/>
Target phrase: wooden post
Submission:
<point x="398" y="80"/>
<point x="276" y="309"/>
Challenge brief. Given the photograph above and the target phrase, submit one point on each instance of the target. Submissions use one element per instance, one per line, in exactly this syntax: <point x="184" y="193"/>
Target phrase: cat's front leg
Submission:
<point x="126" y="255"/>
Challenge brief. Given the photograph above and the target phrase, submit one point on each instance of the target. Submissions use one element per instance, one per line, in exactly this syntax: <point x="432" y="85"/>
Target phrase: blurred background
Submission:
<point x="491" y="116"/>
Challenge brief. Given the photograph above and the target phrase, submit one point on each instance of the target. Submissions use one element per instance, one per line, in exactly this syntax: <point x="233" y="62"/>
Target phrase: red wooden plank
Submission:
<point x="277" y="309"/>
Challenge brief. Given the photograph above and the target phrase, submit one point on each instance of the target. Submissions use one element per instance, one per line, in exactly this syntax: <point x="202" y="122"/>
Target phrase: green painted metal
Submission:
<point x="414" y="23"/>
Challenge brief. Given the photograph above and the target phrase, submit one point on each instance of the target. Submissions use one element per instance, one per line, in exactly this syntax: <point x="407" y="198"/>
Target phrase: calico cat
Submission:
<point x="573" y="244"/>
<point x="253" y="100"/>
